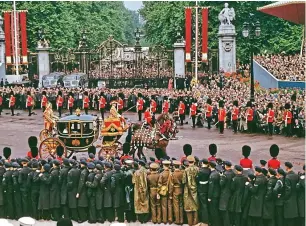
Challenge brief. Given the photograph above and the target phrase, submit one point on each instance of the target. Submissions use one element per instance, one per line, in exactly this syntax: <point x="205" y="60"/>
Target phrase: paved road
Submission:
<point x="15" y="130"/>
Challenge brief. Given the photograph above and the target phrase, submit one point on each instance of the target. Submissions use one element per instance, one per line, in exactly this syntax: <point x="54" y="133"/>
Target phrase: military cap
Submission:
<point x="47" y="167"/>
<point x="227" y="163"/>
<point x="219" y="161"/>
<point x="263" y="162"/>
<point x="50" y="159"/>
<point x="117" y="161"/>
<point x="152" y="159"/>
<point x="196" y="158"/>
<point x="212" y="164"/>
<point x="66" y="162"/>
<point x="56" y="162"/>
<point x="190" y="158"/>
<point x="251" y="176"/>
<point x="288" y="164"/>
<point x="141" y="162"/>
<point x="154" y="165"/>
<point x="24" y="160"/>
<point x="136" y="164"/>
<point x="274" y="150"/>
<point x="43" y="162"/>
<point x="272" y="171"/>
<point x="176" y="163"/>
<point x="204" y="161"/>
<point x="108" y="165"/>
<point x="15" y="165"/>
<point x="166" y="162"/>
<point x="99" y="167"/>
<point x="35" y="165"/>
<point x="281" y="171"/>
<point x="91" y="155"/>
<point x="117" y="167"/>
<point x="128" y="161"/>
<point x="101" y="158"/>
<point x="258" y="169"/>
<point x="238" y="168"/>
<point x="136" y="159"/>
<point x="7" y="164"/>
<point x="90" y="165"/>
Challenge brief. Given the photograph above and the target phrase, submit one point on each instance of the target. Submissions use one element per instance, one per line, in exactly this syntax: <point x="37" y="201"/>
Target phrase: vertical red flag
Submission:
<point x="23" y="29"/>
<point x="7" y="33"/>
<point x="204" y="34"/>
<point x="188" y="34"/>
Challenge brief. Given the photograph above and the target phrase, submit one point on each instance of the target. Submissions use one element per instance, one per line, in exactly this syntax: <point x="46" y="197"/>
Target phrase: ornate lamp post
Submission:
<point x="83" y="48"/>
<point x="138" y="52"/>
<point x="251" y="31"/>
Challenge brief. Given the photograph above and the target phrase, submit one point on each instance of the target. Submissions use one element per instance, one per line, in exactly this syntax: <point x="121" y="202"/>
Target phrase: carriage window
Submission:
<point x="75" y="127"/>
<point x="63" y="127"/>
<point x="87" y="127"/>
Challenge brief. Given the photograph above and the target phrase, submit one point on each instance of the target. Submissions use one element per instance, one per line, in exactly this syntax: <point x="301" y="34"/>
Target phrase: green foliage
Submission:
<point x="165" y="19"/>
<point x="64" y="21"/>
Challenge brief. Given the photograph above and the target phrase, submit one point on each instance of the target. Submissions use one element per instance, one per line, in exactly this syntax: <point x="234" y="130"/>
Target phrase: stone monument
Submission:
<point x="179" y="60"/>
<point x="227" y="40"/>
<point x="2" y="51"/>
<point x="43" y="49"/>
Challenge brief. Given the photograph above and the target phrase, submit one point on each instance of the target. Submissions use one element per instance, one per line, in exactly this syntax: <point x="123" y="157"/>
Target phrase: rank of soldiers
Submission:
<point x="208" y="191"/>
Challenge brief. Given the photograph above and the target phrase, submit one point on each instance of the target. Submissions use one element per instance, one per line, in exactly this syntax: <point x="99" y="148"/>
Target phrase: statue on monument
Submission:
<point x="42" y="41"/>
<point x="226" y="15"/>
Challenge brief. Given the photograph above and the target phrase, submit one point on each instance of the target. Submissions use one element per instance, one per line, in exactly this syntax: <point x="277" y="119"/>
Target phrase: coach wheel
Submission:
<point x="44" y="134"/>
<point x="47" y="148"/>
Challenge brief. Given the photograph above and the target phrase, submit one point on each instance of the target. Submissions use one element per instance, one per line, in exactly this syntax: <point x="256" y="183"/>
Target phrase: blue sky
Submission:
<point x="133" y="5"/>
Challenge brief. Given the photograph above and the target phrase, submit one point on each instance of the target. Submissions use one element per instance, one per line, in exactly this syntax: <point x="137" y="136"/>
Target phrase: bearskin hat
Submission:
<point x="213" y="149"/>
<point x="249" y="104"/>
<point x="208" y="101"/>
<point x="59" y="93"/>
<point x="274" y="150"/>
<point x="187" y="149"/>
<point x="221" y="104"/>
<point x="86" y="93"/>
<point x="165" y="98"/>
<point x="44" y="93"/>
<point x="7" y="152"/>
<point x="92" y="150"/>
<point x="159" y="153"/>
<point x="235" y="103"/>
<point x="126" y="148"/>
<point x="287" y="106"/>
<point x="28" y="93"/>
<point x="32" y="141"/>
<point x="139" y="95"/>
<point x="101" y="94"/>
<point x="270" y="105"/>
<point x="70" y="94"/>
<point x="293" y="97"/>
<point x="12" y="93"/>
<point x="246" y="151"/>
<point x="34" y="151"/>
<point x="152" y="97"/>
<point x="60" y="150"/>
<point x="121" y="95"/>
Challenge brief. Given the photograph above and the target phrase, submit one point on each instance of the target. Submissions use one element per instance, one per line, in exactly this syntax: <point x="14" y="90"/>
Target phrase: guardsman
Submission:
<point x="70" y="102"/>
<point x="301" y="197"/>
<point x="148" y="117"/>
<point x="234" y="115"/>
<point x="32" y="142"/>
<point x="1" y="102"/>
<point x="2" y="203"/>
<point x="63" y="180"/>
<point x="274" y="162"/>
<point x="193" y="112"/>
<point x="141" y="193"/>
<point x="120" y="103"/>
<point x="55" y="190"/>
<point x="270" y="118"/>
<point x="208" y="112"/>
<point x="155" y="207"/>
<point x="177" y="192"/>
<point x="59" y="103"/>
<point x="164" y="191"/>
<point x="221" y="116"/>
<point x="279" y="192"/>
<point x="263" y="167"/>
<point x="139" y="106"/>
<point x="44" y="100"/>
<point x="202" y="185"/>
<point x="8" y="191"/>
<point x="214" y="194"/>
<point x="190" y="191"/>
<point x="7" y="154"/>
<point x="166" y="106"/>
<point x="181" y="110"/>
<point x="249" y="116"/>
<point x="29" y="103"/>
<point x="246" y="163"/>
<point x="22" y="181"/>
<point x="92" y="213"/>
<point x="213" y="149"/>
<point x="117" y="186"/>
<point x="17" y="193"/>
<point x="82" y="192"/>
<point x="153" y="105"/>
<point x="12" y="102"/>
<point x="72" y="189"/>
<point x="106" y="185"/>
<point x="44" y="191"/>
<point x="187" y="149"/>
<point x="86" y="102"/>
<point x="129" y="190"/>
<point x="33" y="183"/>
<point x="287" y="118"/>
<point x="102" y="104"/>
<point x="126" y="152"/>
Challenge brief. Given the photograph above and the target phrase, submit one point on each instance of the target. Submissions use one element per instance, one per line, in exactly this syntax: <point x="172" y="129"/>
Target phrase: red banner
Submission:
<point x="188" y="34"/>
<point x="204" y="34"/>
<point x="7" y="33"/>
<point x="23" y="30"/>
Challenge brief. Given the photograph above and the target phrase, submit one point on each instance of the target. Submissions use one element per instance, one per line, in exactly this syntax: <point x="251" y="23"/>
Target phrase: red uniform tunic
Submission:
<point x="165" y="107"/>
<point x="120" y="105"/>
<point x="221" y="115"/>
<point x="212" y="159"/>
<point x="102" y="103"/>
<point x="249" y="113"/>
<point x="59" y="101"/>
<point x="182" y="108"/>
<point x="235" y="114"/>
<point x="208" y="111"/>
<point x="193" y="110"/>
<point x="246" y="163"/>
<point x="86" y="102"/>
<point x="29" y="102"/>
<point x="70" y="102"/>
<point x="271" y="116"/>
<point x="153" y="106"/>
<point x="60" y="159"/>
<point x="288" y="115"/>
<point x="29" y="154"/>
<point x="12" y="101"/>
<point x="44" y="101"/>
<point x="1" y="100"/>
<point x="148" y="117"/>
<point x="140" y="103"/>
<point x="125" y="157"/>
<point x="274" y="163"/>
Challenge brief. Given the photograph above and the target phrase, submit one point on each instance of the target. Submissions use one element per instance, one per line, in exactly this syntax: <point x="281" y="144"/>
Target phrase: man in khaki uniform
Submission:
<point x="177" y="195"/>
<point x="190" y="191"/>
<point x="141" y="193"/>
<point x="165" y="193"/>
<point x="152" y="179"/>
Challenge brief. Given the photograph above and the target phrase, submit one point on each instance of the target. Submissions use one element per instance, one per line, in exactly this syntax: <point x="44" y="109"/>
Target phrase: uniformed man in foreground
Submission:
<point x="177" y="192"/>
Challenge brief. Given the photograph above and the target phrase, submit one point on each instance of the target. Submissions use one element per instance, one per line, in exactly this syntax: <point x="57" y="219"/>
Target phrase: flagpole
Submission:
<point x="15" y="38"/>
<point x="196" y="42"/>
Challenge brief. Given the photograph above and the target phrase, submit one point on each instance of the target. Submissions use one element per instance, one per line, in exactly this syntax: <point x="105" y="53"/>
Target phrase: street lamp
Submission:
<point x="251" y="31"/>
<point x="137" y="51"/>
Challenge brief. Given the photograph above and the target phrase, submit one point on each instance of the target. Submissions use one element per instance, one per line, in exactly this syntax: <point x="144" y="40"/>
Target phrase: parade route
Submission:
<point x="15" y="131"/>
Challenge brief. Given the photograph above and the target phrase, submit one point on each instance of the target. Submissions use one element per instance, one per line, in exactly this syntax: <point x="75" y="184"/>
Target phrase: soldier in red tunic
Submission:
<point x="208" y="112"/>
<point x="181" y="110"/>
<point x="274" y="162"/>
<point x="86" y="102"/>
<point x="270" y="118"/>
<point x="7" y="154"/>
<point x="102" y="104"/>
<point x="193" y="112"/>
<point x="139" y="106"/>
<point x="148" y="117"/>
<point x="187" y="149"/>
<point x="1" y="102"/>
<point x="287" y="118"/>
<point x="12" y="102"/>
<point x="32" y="142"/>
<point x="213" y="151"/>
<point x="153" y="107"/>
<point x="221" y="116"/>
<point x="59" y="103"/>
<point x="44" y="101"/>
<point x="234" y="115"/>
<point x="120" y="103"/>
<point x="246" y="163"/>
<point x="249" y="116"/>
<point x="59" y="153"/>
<point x="70" y="102"/>
<point x="126" y="152"/>
<point x="166" y="105"/>
<point x="29" y="103"/>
